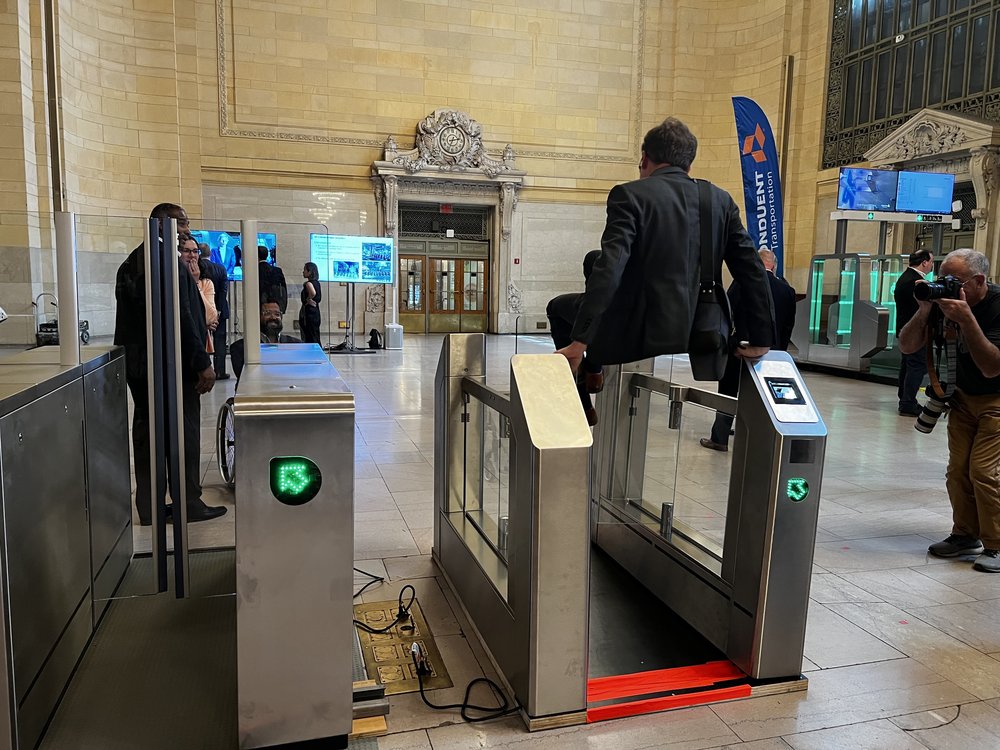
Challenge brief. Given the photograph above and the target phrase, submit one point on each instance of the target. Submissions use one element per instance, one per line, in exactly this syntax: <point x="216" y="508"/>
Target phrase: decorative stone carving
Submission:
<point x="390" y="148"/>
<point x="508" y="202"/>
<point x="984" y="166"/>
<point x="928" y="138"/>
<point x="375" y="299"/>
<point x="513" y="298"/>
<point x="391" y="210"/>
<point x="450" y="141"/>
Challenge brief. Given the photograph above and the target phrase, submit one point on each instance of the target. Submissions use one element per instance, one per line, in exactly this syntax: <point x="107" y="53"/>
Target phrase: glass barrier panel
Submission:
<point x="701" y="485"/>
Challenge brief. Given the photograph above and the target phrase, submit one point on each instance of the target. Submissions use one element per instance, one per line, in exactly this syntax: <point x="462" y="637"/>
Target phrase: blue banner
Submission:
<point x="761" y="179"/>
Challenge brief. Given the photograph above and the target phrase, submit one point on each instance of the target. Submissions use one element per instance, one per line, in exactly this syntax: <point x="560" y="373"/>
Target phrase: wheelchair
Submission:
<point x="225" y="442"/>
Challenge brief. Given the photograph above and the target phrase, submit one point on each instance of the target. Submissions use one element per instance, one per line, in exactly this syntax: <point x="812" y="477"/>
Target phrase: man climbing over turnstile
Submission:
<point x="643" y="292"/>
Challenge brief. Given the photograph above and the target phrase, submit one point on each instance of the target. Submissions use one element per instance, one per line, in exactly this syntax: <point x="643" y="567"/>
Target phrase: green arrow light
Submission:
<point x="797" y="489"/>
<point x="294" y="480"/>
<point x="870" y="216"/>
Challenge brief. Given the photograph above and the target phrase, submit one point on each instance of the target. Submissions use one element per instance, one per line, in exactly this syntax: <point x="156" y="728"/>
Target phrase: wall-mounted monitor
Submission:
<point x="866" y="189"/>
<point x="354" y="260"/>
<point x="226" y="250"/>
<point x="925" y="193"/>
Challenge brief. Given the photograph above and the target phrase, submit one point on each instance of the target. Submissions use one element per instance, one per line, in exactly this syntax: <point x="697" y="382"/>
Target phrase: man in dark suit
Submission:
<point x="217" y="274"/>
<point x="912" y="367"/>
<point x="197" y="375"/>
<point x="642" y="293"/>
<point x="783" y="296"/>
<point x="272" y="280"/>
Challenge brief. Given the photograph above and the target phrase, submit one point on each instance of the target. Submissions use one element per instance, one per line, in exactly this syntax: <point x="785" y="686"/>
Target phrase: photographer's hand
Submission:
<point x="958" y="310"/>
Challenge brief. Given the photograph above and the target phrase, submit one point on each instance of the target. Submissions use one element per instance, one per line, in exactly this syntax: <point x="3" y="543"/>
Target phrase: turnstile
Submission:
<point x="294" y="550"/>
<point x="510" y="503"/>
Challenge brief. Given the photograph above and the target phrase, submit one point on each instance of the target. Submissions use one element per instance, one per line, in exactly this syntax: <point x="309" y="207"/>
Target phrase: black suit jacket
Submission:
<point x="272" y="285"/>
<point x="130" y="319"/>
<point x="783" y="296"/>
<point x="642" y="293"/>
<point x="217" y="274"/>
<point x="906" y="303"/>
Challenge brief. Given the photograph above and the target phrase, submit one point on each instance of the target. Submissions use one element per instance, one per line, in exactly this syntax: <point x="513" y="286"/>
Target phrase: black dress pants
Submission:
<point x="219" y="344"/>
<point x="309" y="323"/>
<point x="729" y="385"/>
<point x="140" y="447"/>
<point x="561" y="312"/>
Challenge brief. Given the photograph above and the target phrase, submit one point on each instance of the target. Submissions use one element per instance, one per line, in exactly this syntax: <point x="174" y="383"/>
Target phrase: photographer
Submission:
<point x="965" y="308"/>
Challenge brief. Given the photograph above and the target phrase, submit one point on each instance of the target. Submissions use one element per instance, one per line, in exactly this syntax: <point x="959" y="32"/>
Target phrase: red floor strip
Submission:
<point x="634" y="708"/>
<point x="661" y="681"/>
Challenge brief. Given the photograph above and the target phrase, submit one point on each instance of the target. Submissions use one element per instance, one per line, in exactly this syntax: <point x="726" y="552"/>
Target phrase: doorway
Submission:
<point x="444" y="280"/>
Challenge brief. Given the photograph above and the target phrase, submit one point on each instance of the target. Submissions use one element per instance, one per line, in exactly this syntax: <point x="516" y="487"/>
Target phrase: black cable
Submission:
<point x="491" y="712"/>
<point x="374" y="579"/>
<point x="402" y="613"/>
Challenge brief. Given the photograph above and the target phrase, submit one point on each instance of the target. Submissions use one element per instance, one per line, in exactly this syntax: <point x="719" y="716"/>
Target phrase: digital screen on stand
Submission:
<point x="225" y="249"/>
<point x="925" y="193"/>
<point x="353" y="260"/>
<point x="866" y="190"/>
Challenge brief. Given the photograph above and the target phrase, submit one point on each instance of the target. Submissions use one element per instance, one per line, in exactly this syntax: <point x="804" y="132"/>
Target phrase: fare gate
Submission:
<point x="512" y="478"/>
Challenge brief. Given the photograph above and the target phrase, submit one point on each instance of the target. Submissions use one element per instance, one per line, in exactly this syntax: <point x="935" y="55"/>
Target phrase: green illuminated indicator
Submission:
<point x="920" y="217"/>
<point x="797" y="489"/>
<point x="870" y="216"/>
<point x="295" y="480"/>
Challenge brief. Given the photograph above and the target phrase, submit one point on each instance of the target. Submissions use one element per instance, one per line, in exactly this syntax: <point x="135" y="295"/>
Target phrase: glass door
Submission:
<point x="474" y="295"/>
<point x="446" y="296"/>
<point x="412" y="300"/>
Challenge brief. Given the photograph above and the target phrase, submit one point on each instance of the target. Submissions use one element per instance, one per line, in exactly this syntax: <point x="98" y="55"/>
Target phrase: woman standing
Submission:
<point x="312" y="294"/>
<point x="190" y="254"/>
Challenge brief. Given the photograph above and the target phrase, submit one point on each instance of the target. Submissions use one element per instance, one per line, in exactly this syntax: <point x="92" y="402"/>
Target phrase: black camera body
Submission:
<point x="947" y="287"/>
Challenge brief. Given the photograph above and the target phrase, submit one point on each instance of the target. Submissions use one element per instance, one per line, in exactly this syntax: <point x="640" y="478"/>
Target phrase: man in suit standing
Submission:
<point x="217" y="274"/>
<point x="641" y="296"/>
<point x="272" y="280"/>
<point x="912" y="367"/>
<point x="197" y="375"/>
<point x="783" y="296"/>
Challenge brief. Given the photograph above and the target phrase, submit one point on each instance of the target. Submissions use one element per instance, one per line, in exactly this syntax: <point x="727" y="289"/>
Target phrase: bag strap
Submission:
<point x="705" y="222"/>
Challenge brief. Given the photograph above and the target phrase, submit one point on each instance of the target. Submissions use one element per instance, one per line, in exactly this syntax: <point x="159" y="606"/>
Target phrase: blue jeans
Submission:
<point x="911" y="374"/>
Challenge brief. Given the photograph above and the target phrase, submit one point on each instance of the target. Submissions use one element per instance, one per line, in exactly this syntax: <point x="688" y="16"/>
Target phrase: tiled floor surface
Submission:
<point x="902" y="650"/>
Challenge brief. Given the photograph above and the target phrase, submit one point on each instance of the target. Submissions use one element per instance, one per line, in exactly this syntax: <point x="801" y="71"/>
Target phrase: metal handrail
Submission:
<point x="687" y="393"/>
<point x="492" y="398"/>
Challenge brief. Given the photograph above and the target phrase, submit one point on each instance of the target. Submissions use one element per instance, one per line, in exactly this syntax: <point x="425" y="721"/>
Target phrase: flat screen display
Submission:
<point x="226" y="250"/>
<point x="866" y="189"/>
<point x="925" y="193"/>
<point x="784" y="391"/>
<point x="354" y="260"/>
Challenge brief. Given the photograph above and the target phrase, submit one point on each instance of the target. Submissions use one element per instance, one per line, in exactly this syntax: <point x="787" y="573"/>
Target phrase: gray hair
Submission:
<point x="974" y="260"/>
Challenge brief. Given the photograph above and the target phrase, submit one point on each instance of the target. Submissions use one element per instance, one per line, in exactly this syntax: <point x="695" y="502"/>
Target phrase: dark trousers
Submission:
<point x="219" y="343"/>
<point x="140" y="447"/>
<point x="729" y="385"/>
<point x="561" y="312"/>
<point x="309" y="322"/>
<point x="912" y="369"/>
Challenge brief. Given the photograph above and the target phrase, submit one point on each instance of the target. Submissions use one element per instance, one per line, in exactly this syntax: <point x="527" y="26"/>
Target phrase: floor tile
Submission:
<point x="829" y="588"/>
<point x="976" y="623"/>
<point x="832" y="641"/>
<point x="417" y="566"/>
<point x="977" y="725"/>
<point x="417" y="740"/>
<point x="946" y="655"/>
<point x="905" y="588"/>
<point x="865" y="736"/>
<point x="873" y="554"/>
<point x="843" y="696"/>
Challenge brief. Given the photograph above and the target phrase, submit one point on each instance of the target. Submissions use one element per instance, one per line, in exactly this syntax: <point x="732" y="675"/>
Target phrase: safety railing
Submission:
<point x="511" y="520"/>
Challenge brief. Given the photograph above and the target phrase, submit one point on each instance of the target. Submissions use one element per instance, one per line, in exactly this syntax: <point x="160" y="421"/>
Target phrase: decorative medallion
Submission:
<point x="928" y="138"/>
<point x="450" y="141"/>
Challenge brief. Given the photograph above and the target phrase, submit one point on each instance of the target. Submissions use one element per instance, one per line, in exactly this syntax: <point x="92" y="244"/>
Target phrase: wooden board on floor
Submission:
<point x="373" y="726"/>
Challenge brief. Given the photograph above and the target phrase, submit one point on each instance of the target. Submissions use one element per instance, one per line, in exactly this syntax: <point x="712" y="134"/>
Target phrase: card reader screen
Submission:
<point x="784" y="391"/>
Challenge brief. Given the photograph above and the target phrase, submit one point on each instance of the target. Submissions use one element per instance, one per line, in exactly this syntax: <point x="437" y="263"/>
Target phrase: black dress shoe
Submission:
<point x="202" y="512"/>
<point x="223" y="376"/>
<point x="712" y="445"/>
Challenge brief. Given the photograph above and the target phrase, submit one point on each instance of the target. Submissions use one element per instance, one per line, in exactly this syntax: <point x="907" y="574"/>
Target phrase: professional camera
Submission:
<point x="930" y="414"/>
<point x="948" y="287"/>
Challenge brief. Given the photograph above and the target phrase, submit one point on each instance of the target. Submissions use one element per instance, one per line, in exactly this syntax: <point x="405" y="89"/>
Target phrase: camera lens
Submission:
<point x="928" y="291"/>
<point x="930" y="415"/>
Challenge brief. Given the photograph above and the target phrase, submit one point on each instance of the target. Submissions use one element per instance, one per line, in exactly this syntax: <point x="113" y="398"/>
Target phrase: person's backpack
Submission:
<point x="375" y="339"/>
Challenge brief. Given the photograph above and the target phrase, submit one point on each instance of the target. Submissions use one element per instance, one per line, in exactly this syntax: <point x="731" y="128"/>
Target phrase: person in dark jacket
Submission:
<point x="783" y="296"/>
<point x="912" y="367"/>
<point x="561" y="312"/>
<point x="272" y="280"/>
<point x="270" y="333"/>
<point x="197" y="373"/>
<point x="641" y="296"/>
<point x="216" y="272"/>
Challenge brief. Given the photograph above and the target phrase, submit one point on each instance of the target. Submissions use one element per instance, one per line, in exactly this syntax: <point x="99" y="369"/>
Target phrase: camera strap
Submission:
<point x="947" y="354"/>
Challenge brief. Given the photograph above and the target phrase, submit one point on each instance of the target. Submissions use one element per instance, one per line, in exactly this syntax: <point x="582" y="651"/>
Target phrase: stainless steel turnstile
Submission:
<point x="511" y="514"/>
<point x="748" y="596"/>
<point x="294" y="549"/>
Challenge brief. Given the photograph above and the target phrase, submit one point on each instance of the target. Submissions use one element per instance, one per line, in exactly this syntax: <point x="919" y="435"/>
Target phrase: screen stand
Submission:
<point x="347" y="345"/>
